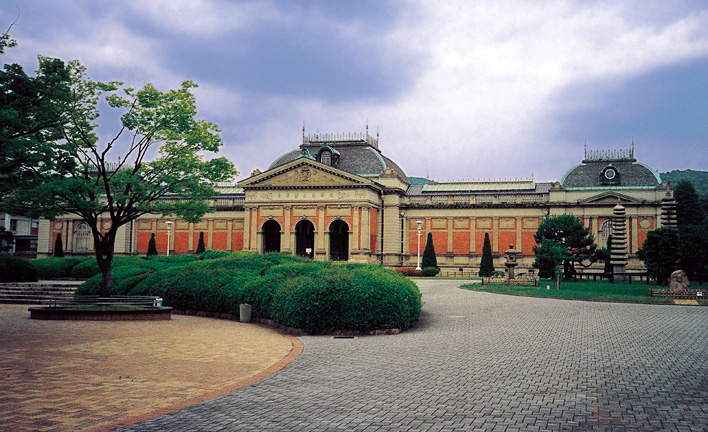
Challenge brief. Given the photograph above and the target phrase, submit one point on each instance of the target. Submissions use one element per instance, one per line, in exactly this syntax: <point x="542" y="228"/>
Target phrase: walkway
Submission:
<point x="482" y="361"/>
<point x="97" y="375"/>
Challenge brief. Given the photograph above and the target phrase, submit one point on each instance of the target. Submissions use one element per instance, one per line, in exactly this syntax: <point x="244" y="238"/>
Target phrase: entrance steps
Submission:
<point x="37" y="292"/>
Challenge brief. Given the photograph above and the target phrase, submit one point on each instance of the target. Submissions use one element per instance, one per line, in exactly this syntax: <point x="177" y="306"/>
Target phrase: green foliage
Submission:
<point x="429" y="257"/>
<point x="579" y="290"/>
<point x="549" y="254"/>
<point x="688" y="206"/>
<point x="152" y="248"/>
<point x="571" y="236"/>
<point x="699" y="179"/>
<point x="312" y="295"/>
<point x="213" y="254"/>
<point x="486" y="266"/>
<point x="200" y="247"/>
<point x="60" y="166"/>
<point x="56" y="268"/>
<point x="58" y="247"/>
<point x="693" y="247"/>
<point x="429" y="271"/>
<point x="660" y="253"/>
<point x="15" y="269"/>
<point x="89" y="268"/>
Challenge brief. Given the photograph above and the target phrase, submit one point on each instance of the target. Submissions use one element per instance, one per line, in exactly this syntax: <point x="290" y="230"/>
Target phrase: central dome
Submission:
<point x="355" y="153"/>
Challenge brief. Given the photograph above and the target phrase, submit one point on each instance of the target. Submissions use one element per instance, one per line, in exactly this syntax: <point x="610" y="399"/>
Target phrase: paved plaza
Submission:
<point x="481" y="361"/>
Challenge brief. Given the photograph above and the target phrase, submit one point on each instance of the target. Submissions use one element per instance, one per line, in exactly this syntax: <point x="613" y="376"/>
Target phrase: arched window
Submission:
<point x="326" y="157"/>
<point x="605" y="232"/>
<point x="81" y="237"/>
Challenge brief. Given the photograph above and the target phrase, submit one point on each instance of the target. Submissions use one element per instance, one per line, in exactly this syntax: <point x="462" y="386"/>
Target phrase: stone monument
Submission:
<point x="678" y="283"/>
<point x="618" y="249"/>
<point x="511" y="261"/>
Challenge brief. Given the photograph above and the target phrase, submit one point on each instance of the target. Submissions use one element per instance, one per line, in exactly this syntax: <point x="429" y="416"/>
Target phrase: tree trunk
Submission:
<point x="104" y="257"/>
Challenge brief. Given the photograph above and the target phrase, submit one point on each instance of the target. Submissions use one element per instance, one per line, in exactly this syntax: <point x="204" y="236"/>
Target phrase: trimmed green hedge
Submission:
<point x="57" y="268"/>
<point x="16" y="269"/>
<point x="314" y="296"/>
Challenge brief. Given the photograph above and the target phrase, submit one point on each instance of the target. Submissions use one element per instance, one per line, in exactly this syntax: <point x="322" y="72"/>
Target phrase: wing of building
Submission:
<point x="338" y="197"/>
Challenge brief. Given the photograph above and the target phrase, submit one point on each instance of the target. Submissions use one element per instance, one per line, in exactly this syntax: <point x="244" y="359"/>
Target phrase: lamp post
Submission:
<point x="420" y="223"/>
<point x="169" y="236"/>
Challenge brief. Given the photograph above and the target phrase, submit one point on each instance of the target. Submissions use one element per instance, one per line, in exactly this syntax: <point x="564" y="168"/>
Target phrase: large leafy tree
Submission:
<point x="154" y="163"/>
<point x="692" y="229"/>
<point x="660" y="253"/>
<point x="574" y="240"/>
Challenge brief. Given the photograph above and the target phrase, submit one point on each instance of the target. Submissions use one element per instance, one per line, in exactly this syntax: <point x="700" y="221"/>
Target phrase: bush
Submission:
<point x="410" y="272"/>
<point x="429" y="271"/>
<point x="312" y="295"/>
<point x="15" y="269"/>
<point x="348" y="297"/>
<point x="89" y="268"/>
<point x="56" y="268"/>
<point x="124" y="279"/>
<point x="429" y="257"/>
<point x="213" y="254"/>
<point x="486" y="265"/>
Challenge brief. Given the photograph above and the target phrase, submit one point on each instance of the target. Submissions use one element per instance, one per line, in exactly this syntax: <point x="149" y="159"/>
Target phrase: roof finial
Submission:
<point x="367" y="126"/>
<point x="586" y="148"/>
<point x="632" y="150"/>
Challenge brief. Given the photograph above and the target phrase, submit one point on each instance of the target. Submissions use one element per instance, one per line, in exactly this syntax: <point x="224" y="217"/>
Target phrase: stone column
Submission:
<point x="618" y="254"/>
<point x="495" y="234"/>
<point x="473" y="235"/>
<point x="668" y="212"/>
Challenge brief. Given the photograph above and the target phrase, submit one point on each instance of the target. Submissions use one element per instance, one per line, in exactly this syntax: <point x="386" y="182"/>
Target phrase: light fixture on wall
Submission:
<point x="420" y="223"/>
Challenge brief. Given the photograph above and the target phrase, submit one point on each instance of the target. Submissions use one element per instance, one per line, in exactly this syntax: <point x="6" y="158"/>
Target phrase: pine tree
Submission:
<point x="486" y="266"/>
<point x="58" y="247"/>
<point x="430" y="261"/>
<point x="152" y="248"/>
<point x="200" y="247"/>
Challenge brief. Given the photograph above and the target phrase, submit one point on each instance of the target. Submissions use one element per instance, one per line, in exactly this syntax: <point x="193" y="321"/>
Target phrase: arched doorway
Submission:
<point x="271" y="236"/>
<point x="305" y="238"/>
<point x="81" y="237"/>
<point x="339" y="241"/>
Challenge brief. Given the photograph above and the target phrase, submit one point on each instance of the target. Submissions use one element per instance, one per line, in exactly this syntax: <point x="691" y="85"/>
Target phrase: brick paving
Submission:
<point x="486" y="362"/>
<point x="91" y="375"/>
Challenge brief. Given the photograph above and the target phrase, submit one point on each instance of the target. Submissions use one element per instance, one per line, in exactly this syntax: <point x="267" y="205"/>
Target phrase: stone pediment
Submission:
<point x="304" y="173"/>
<point x="609" y="199"/>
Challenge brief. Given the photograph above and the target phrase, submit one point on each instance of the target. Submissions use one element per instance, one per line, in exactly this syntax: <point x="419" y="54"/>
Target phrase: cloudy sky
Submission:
<point x="456" y="89"/>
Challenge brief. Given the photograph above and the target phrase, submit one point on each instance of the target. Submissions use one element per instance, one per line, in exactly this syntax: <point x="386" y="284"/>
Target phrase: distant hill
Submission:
<point x="698" y="178"/>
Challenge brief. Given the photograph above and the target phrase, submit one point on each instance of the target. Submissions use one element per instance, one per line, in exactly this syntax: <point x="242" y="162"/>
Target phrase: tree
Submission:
<point x="200" y="247"/>
<point x="660" y="253"/>
<point x="605" y="255"/>
<point x="430" y="260"/>
<point x="689" y="210"/>
<point x="692" y="228"/>
<point x="152" y="247"/>
<point x="569" y="233"/>
<point x="549" y="254"/>
<point x="58" y="247"/>
<point x="73" y="173"/>
<point x="486" y="265"/>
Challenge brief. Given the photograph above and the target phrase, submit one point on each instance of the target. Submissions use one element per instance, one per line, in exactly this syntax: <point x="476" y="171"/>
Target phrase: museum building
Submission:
<point x="338" y="197"/>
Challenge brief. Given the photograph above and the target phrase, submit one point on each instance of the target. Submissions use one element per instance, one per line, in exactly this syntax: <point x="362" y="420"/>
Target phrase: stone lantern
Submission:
<point x="511" y="262"/>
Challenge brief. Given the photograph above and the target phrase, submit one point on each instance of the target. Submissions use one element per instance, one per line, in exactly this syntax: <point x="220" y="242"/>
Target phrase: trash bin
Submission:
<point x="244" y="313"/>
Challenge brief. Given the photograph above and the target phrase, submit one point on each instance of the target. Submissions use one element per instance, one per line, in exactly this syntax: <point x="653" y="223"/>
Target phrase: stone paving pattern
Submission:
<point x="80" y="375"/>
<point x="487" y="362"/>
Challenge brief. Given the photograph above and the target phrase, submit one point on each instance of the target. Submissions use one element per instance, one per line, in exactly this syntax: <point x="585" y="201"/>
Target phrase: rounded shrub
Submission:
<point x="123" y="279"/>
<point x="15" y="269"/>
<point x="347" y="297"/>
<point x="429" y="271"/>
<point x="56" y="268"/>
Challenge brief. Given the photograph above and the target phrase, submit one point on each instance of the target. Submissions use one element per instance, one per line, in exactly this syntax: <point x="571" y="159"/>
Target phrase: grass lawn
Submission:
<point x="637" y="292"/>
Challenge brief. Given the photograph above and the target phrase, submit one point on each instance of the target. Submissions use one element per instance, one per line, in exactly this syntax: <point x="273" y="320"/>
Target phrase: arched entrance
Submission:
<point x="271" y="236"/>
<point x="305" y="238"/>
<point x="339" y="241"/>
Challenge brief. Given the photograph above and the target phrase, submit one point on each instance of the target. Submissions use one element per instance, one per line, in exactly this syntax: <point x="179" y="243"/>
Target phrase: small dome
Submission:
<point x="610" y="173"/>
